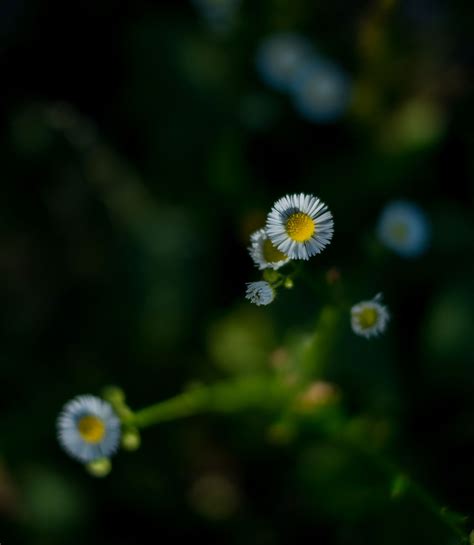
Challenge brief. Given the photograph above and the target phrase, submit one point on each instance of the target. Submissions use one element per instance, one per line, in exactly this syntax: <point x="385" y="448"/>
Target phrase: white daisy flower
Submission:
<point x="260" y="293"/>
<point x="369" y="318"/>
<point x="404" y="228"/>
<point x="264" y="253"/>
<point x="88" y="428"/>
<point x="300" y="226"/>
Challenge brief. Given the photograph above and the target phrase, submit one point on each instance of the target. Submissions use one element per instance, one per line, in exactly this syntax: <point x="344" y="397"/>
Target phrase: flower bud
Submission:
<point x="114" y="395"/>
<point x="131" y="439"/>
<point x="99" y="468"/>
<point x="288" y="283"/>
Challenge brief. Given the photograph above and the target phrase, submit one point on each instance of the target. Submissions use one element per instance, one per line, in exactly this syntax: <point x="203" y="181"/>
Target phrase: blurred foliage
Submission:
<point x="140" y="149"/>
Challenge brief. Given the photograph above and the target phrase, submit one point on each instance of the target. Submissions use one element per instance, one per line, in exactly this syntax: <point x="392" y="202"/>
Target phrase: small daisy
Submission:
<point x="279" y="58"/>
<point x="404" y="228"/>
<point x="300" y="226"/>
<point x="369" y="318"/>
<point x="264" y="254"/>
<point x="321" y="92"/>
<point x="260" y="293"/>
<point x="88" y="428"/>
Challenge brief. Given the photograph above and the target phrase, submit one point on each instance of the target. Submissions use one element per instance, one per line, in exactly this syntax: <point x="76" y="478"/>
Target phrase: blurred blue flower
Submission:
<point x="404" y="228"/>
<point x="218" y="13"/>
<point x="321" y="91"/>
<point x="280" y="57"/>
<point x="88" y="428"/>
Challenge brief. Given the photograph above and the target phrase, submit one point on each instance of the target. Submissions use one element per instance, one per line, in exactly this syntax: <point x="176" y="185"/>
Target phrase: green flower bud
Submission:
<point x="288" y="283"/>
<point x="99" y="468"/>
<point x="114" y="395"/>
<point x="131" y="439"/>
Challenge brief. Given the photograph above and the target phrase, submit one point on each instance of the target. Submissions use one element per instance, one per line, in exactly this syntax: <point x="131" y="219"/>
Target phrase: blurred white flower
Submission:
<point x="219" y="14"/>
<point x="369" y="318"/>
<point x="404" y="228"/>
<point x="88" y="429"/>
<point x="279" y="58"/>
<point x="264" y="253"/>
<point x="321" y="91"/>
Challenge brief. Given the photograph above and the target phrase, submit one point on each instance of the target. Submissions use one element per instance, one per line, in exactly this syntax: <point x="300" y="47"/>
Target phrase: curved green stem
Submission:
<point x="453" y="521"/>
<point x="445" y="516"/>
<point x="226" y="397"/>
<point x="269" y="394"/>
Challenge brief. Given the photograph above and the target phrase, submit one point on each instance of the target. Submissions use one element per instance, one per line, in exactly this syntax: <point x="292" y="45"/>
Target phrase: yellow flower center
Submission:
<point x="399" y="232"/>
<point x="91" y="429"/>
<point x="300" y="227"/>
<point x="270" y="253"/>
<point x="367" y="317"/>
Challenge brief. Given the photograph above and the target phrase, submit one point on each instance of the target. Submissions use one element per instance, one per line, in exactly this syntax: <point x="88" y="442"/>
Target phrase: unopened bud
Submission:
<point x="114" y="395"/>
<point x="131" y="439"/>
<point x="100" y="467"/>
<point x="288" y="283"/>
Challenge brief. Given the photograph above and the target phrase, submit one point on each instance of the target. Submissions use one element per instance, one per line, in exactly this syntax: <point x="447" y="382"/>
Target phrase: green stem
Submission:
<point x="269" y="394"/>
<point x="445" y="516"/>
<point x="226" y="397"/>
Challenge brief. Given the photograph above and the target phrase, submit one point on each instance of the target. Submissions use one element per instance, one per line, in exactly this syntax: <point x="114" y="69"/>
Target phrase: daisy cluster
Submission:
<point x="319" y="89"/>
<point x="298" y="227"/>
